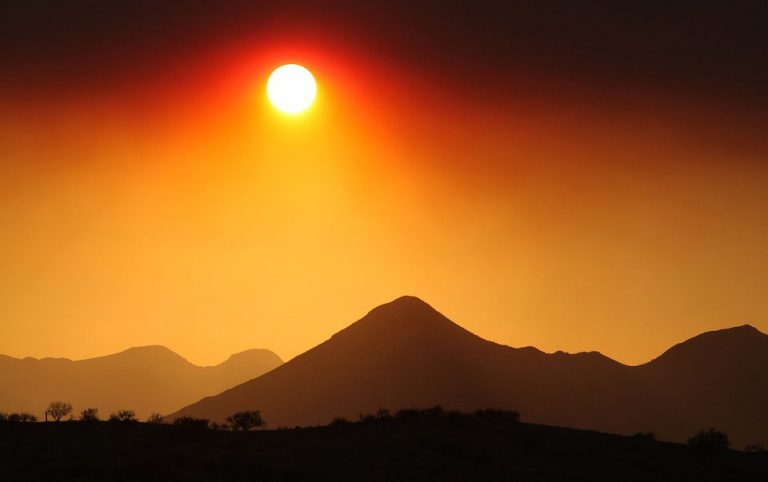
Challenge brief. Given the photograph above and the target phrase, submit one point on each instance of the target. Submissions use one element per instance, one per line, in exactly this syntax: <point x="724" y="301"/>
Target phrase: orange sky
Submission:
<point x="185" y="211"/>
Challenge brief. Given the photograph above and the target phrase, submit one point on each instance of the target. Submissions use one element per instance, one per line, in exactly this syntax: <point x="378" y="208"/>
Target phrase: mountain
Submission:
<point x="718" y="379"/>
<point x="406" y="354"/>
<point x="144" y="379"/>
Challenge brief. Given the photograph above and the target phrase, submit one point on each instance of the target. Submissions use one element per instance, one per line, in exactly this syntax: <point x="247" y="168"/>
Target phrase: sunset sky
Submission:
<point x="568" y="177"/>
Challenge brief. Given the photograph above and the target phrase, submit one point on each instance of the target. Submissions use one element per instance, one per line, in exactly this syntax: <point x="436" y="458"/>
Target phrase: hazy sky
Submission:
<point x="575" y="178"/>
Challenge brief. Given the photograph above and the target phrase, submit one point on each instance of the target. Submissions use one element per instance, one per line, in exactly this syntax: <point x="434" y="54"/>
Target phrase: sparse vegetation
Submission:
<point x="218" y="427"/>
<point x="709" y="442"/>
<point x="340" y="422"/>
<point x="58" y="410"/>
<point x="89" y="415"/>
<point x="155" y="418"/>
<point x="755" y="449"/>
<point x="491" y="415"/>
<point x="412" y="444"/>
<point x="438" y="415"/>
<point x="21" y="417"/>
<point x="123" y="416"/>
<point x="246" y="420"/>
<point x="191" y="423"/>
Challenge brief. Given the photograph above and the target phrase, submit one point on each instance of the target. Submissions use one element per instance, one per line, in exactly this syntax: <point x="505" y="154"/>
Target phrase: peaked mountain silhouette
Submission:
<point x="144" y="379"/>
<point x="406" y="354"/>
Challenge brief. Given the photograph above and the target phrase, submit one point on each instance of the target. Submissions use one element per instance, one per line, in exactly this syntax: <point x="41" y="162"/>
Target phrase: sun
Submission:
<point x="291" y="88"/>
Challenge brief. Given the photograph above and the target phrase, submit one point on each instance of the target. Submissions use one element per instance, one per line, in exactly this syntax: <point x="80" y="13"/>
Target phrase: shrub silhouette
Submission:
<point x="417" y="415"/>
<point x="123" y="416"/>
<point x="191" y="423"/>
<point x="3" y="417"/>
<point x="89" y="415"/>
<point x="408" y="414"/>
<point x="58" y="410"/>
<point x="491" y="415"/>
<point x="218" y="427"/>
<point x="21" y="417"/>
<point x="366" y="418"/>
<point x="155" y="418"/>
<point x="383" y="414"/>
<point x="709" y="442"/>
<point x="755" y="449"/>
<point x="246" y="420"/>
<point x="340" y="422"/>
<point x="438" y="415"/>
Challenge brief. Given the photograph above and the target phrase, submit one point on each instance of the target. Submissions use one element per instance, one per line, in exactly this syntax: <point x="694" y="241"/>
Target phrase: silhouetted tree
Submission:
<point x="246" y="420"/>
<point x="155" y="418"/>
<point x="58" y="410"/>
<point x="3" y="417"/>
<point x="123" y="416"/>
<point x="89" y="415"/>
<point x="708" y="442"/>
<point x="755" y="449"/>
<point x="22" y="417"/>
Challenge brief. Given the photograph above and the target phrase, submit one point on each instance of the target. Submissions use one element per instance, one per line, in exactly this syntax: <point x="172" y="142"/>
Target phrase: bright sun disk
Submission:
<point x="291" y="88"/>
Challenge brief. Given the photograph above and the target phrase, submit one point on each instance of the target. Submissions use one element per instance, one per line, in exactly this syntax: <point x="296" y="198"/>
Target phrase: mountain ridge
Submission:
<point x="145" y="379"/>
<point x="406" y="354"/>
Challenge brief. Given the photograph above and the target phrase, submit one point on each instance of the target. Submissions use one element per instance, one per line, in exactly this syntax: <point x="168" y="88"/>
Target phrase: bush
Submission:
<point x="491" y="415"/>
<point x="58" y="410"/>
<point x="340" y="422"/>
<point x="22" y="417"/>
<point x="366" y="418"/>
<point x="3" y="417"/>
<point x="755" y="449"/>
<point x="89" y="415"/>
<point x="436" y="411"/>
<point x="246" y="420"/>
<point x="708" y="442"/>
<point x="218" y="427"/>
<point x="383" y="414"/>
<point x="155" y="418"/>
<point x="191" y="423"/>
<point x="123" y="416"/>
<point x="408" y="414"/>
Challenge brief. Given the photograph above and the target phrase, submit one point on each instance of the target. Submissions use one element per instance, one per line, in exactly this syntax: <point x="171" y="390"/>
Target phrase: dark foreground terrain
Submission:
<point x="381" y="449"/>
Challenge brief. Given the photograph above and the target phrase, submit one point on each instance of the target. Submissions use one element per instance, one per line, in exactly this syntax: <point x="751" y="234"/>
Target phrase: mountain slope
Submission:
<point x="718" y="378"/>
<point x="405" y="354"/>
<point x="145" y="379"/>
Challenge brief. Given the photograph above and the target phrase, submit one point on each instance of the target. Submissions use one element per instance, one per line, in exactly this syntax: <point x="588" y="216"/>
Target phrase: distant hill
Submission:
<point x="406" y="354"/>
<point x="144" y="379"/>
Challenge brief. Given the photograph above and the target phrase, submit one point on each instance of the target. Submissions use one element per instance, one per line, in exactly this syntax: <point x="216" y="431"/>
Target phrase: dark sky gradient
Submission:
<point x="704" y="48"/>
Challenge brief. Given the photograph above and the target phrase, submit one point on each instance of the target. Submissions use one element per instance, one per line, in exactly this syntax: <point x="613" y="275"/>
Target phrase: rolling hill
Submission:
<point x="420" y="448"/>
<point x="406" y="354"/>
<point x="144" y="379"/>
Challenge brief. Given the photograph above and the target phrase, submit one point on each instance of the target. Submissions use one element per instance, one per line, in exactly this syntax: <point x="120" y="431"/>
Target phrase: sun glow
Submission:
<point x="291" y="88"/>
